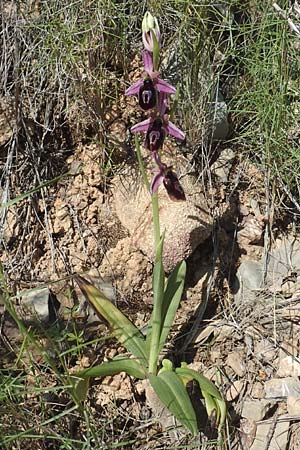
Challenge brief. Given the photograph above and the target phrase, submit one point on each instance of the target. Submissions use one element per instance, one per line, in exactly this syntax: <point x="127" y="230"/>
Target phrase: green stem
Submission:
<point x="140" y="161"/>
<point x="154" y="197"/>
<point x="158" y="295"/>
<point x="156" y="226"/>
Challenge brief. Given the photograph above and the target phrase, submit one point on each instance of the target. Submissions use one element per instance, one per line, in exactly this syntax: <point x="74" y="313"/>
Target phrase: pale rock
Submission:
<point x="251" y="230"/>
<point x="255" y="409"/>
<point x="279" y="436"/>
<point x="131" y="270"/>
<point x="289" y="365"/>
<point x="38" y="305"/>
<point x="284" y="259"/>
<point x="159" y="411"/>
<point x="235" y="360"/>
<point x="247" y="433"/>
<point x="278" y="264"/>
<point x="249" y="280"/>
<point x="211" y="373"/>
<point x="221" y="167"/>
<point x="257" y="390"/>
<point x="282" y="387"/>
<point x="264" y="350"/>
<point x="186" y="223"/>
<point x="234" y="390"/>
<point x="117" y="387"/>
<point x="219" y="116"/>
<point x="293" y="405"/>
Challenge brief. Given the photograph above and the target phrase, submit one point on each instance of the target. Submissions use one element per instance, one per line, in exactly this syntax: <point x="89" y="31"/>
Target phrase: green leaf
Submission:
<point x="223" y="411"/>
<point x="204" y="383"/>
<point x="117" y="365"/>
<point x="213" y="398"/>
<point x="121" y="327"/>
<point x="210" y="405"/>
<point x="34" y="190"/>
<point x="81" y="388"/>
<point x="171" y="391"/>
<point x="171" y="300"/>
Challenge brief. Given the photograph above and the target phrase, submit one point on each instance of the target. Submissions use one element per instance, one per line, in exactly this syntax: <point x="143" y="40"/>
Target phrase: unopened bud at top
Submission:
<point x="149" y="27"/>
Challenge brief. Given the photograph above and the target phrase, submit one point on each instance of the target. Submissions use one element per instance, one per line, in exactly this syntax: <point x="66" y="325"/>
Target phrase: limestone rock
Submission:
<point x="289" y="364"/>
<point x="293" y="405"/>
<point x="282" y="387"/>
<point x="257" y="390"/>
<point x="247" y="432"/>
<point x="255" y="409"/>
<point x="159" y="411"/>
<point x="235" y="360"/>
<point x="221" y="167"/>
<point x="234" y="390"/>
<point x="186" y="223"/>
<point x="39" y="305"/>
<point x="279" y="436"/>
<point x="131" y="270"/>
<point x="282" y="261"/>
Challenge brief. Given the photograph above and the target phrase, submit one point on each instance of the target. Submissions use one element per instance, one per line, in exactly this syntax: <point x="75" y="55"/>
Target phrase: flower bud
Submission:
<point x="149" y="26"/>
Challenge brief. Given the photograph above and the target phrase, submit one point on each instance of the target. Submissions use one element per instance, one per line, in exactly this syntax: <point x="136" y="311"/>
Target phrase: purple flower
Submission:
<point x="148" y="87"/>
<point x="169" y="179"/>
<point x="156" y="128"/>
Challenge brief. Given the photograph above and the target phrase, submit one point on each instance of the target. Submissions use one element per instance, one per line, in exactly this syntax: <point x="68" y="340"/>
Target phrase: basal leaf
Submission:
<point x="171" y="300"/>
<point x="213" y="398"/>
<point x="117" y="365"/>
<point x="81" y="388"/>
<point x="204" y="383"/>
<point x="171" y="391"/>
<point x="223" y="411"/>
<point x="121" y="327"/>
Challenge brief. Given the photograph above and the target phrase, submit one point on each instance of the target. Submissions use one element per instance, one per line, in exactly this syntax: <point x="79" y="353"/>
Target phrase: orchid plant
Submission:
<point x="143" y="362"/>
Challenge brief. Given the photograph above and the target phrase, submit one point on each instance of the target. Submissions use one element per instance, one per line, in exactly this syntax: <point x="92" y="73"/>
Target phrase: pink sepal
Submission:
<point x="174" y="131"/>
<point x="141" y="126"/>
<point x="164" y="86"/>
<point x="148" y="61"/>
<point x="134" y="88"/>
<point x="156" y="182"/>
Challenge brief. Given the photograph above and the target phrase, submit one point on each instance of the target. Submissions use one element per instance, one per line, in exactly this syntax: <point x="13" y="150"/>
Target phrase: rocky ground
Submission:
<point x="238" y="320"/>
